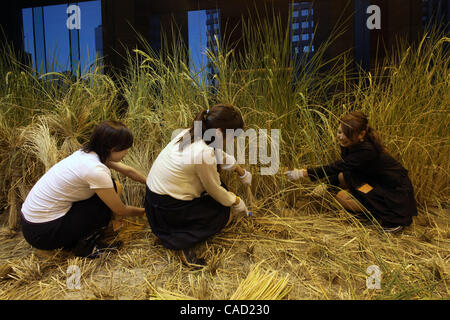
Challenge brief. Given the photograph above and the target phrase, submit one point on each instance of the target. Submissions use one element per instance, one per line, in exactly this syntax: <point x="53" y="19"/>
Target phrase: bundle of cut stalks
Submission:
<point x="127" y="228"/>
<point x="262" y="285"/>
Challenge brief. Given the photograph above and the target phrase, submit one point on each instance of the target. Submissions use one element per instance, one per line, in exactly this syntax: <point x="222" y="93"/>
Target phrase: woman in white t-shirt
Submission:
<point x="72" y="203"/>
<point x="186" y="202"/>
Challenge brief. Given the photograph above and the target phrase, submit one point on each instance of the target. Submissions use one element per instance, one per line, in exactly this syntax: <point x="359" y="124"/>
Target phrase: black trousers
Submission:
<point x="84" y="218"/>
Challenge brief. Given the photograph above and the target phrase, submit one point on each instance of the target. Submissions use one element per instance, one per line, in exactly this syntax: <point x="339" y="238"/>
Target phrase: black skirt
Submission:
<point x="391" y="206"/>
<point x="181" y="224"/>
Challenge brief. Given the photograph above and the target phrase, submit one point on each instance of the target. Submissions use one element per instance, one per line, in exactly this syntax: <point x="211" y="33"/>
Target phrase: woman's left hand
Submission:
<point x="246" y="178"/>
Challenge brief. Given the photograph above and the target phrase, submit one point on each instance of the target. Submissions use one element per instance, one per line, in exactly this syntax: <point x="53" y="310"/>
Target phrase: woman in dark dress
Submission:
<point x="368" y="175"/>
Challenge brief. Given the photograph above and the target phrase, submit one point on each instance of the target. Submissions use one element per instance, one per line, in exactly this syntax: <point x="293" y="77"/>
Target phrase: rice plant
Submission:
<point x="296" y="246"/>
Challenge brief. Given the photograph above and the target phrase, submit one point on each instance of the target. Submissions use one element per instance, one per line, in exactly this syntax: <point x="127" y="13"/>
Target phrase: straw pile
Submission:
<point x="296" y="245"/>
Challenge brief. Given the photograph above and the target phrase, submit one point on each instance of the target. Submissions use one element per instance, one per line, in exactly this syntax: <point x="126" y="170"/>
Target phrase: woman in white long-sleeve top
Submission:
<point x="186" y="202"/>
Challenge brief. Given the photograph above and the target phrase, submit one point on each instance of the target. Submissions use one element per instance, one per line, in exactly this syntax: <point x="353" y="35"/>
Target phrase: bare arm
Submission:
<point x="112" y="200"/>
<point x="127" y="171"/>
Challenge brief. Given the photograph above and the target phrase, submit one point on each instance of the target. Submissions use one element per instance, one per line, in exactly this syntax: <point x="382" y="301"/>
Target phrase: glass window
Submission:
<point x="203" y="34"/>
<point x="90" y="45"/>
<point x="28" y="39"/>
<point x="197" y="38"/>
<point x="39" y="40"/>
<point x="303" y="33"/>
<point x="56" y="43"/>
<point x="57" y="38"/>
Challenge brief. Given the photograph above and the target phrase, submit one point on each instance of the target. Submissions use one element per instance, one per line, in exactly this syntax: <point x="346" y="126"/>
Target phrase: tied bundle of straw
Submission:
<point x="262" y="285"/>
<point x="127" y="228"/>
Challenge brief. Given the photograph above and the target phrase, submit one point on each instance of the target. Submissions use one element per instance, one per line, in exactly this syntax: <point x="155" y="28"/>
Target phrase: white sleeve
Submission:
<point x="227" y="162"/>
<point x="210" y="179"/>
<point x="99" y="177"/>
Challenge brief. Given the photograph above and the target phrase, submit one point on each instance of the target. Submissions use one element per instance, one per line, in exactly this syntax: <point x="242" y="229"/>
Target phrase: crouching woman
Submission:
<point x="369" y="177"/>
<point x="73" y="202"/>
<point x="186" y="202"/>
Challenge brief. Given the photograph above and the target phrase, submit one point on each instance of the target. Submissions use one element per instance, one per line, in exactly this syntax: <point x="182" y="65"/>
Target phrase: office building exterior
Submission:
<point x="43" y="29"/>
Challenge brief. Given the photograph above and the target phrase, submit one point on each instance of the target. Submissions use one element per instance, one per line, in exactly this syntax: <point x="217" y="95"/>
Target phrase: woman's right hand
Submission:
<point x="296" y="174"/>
<point x="239" y="207"/>
<point x="113" y="201"/>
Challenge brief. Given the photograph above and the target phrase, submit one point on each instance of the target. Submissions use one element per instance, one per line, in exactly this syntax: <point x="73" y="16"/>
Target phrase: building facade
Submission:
<point x="47" y="29"/>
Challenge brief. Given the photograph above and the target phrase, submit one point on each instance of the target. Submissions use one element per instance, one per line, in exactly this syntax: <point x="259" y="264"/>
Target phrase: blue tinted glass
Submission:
<point x="39" y="39"/>
<point x="57" y="38"/>
<point x="91" y="43"/>
<point x="197" y="37"/>
<point x="28" y="39"/>
<point x="74" y="35"/>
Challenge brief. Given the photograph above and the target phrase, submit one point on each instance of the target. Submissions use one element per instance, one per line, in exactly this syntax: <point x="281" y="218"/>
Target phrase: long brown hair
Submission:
<point x="219" y="116"/>
<point x="354" y="123"/>
<point x="109" y="136"/>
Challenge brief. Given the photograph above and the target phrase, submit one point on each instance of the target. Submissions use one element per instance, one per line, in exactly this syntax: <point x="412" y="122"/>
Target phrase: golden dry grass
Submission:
<point x="296" y="246"/>
<point x="286" y="253"/>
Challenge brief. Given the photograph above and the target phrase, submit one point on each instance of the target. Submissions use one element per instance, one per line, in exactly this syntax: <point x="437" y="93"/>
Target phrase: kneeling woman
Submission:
<point x="368" y="174"/>
<point x="72" y="203"/>
<point x="186" y="202"/>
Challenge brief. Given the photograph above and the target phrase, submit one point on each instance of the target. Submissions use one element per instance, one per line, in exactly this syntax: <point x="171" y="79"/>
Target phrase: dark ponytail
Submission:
<point x="354" y="123"/>
<point x="220" y="116"/>
<point x="373" y="137"/>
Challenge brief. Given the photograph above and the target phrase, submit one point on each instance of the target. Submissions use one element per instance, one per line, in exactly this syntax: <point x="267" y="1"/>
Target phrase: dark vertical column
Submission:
<point x="361" y="34"/>
<point x="74" y="43"/>
<point x="39" y="40"/>
<point x="118" y="19"/>
<point x="155" y="32"/>
<point x="11" y="29"/>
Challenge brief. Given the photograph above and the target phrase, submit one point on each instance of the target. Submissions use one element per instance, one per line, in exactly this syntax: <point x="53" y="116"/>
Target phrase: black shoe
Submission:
<point x="101" y="248"/>
<point x="85" y="246"/>
<point x="91" y="246"/>
<point x="393" y="229"/>
<point x="190" y="259"/>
